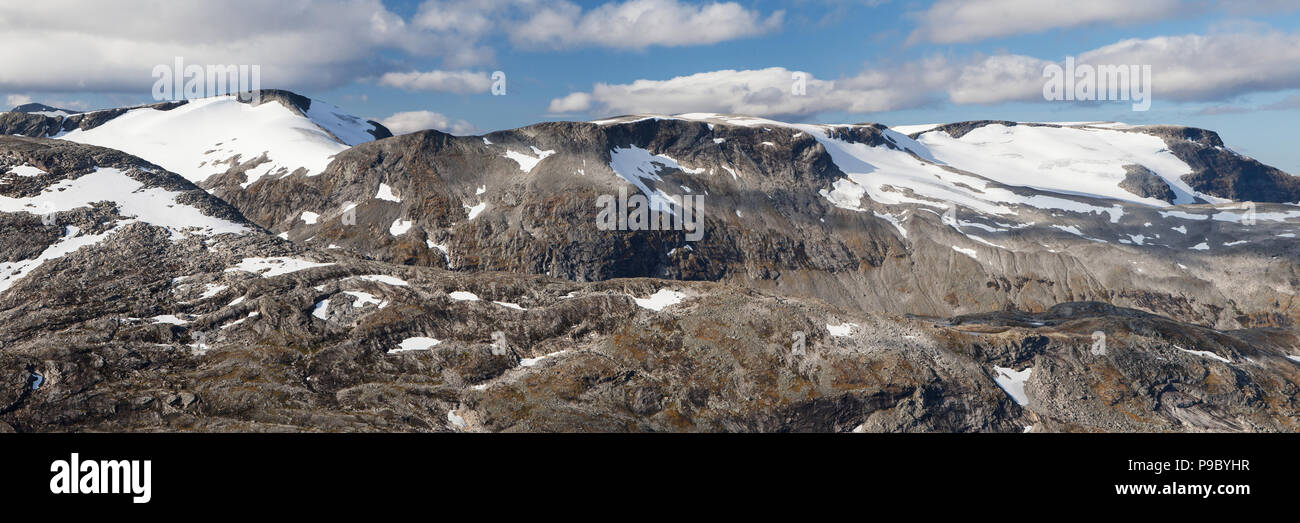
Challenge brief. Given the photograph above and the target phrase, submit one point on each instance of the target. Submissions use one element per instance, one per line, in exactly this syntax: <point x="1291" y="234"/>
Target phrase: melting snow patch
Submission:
<point x="968" y="252"/>
<point x="842" y="330"/>
<point x="168" y="318"/>
<point x="661" y="299"/>
<point x="268" y="267"/>
<point x="509" y="305"/>
<point x="456" y="420"/>
<point x="1200" y="247"/>
<point x="475" y="210"/>
<point x="250" y="316"/>
<point x="636" y="165"/>
<point x="400" y="226"/>
<point x="1205" y="354"/>
<point x="1293" y="358"/>
<point x="386" y="193"/>
<point x="321" y="309"/>
<point x="1013" y="382"/>
<point x="364" y="298"/>
<point x="526" y="162"/>
<point x="309" y="217"/>
<point x="415" y="343"/>
<point x="210" y="290"/>
<point x="463" y="296"/>
<point x="384" y="278"/>
<point x="26" y="171"/>
<point x="1183" y="215"/>
<point x="529" y="362"/>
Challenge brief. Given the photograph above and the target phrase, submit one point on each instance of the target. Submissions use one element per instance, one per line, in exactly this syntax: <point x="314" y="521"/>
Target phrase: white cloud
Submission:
<point x="964" y="21"/>
<point x="955" y="21"/>
<point x="1210" y="67"/>
<point x="1189" y="68"/>
<point x="573" y="103"/>
<point x="629" y="24"/>
<point x="762" y="92"/>
<point x="71" y="45"/>
<point x="411" y="121"/>
<point x="998" y="78"/>
<point x="461" y="82"/>
<point x="15" y="100"/>
<point x="637" y="24"/>
<point x="95" y="46"/>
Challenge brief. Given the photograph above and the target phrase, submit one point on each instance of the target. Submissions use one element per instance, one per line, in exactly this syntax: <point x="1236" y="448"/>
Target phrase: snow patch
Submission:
<point x="842" y="330"/>
<point x="415" y="343"/>
<point x="386" y="193"/>
<point x="660" y="300"/>
<point x="400" y="226"/>
<point x="274" y="266"/>
<point x="1013" y="382"/>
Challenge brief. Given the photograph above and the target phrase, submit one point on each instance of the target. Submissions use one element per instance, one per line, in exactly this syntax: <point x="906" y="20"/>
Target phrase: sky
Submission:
<point x="1233" y="66"/>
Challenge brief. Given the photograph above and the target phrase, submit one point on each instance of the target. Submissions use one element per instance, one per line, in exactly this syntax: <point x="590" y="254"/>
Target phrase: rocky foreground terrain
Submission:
<point x="849" y="278"/>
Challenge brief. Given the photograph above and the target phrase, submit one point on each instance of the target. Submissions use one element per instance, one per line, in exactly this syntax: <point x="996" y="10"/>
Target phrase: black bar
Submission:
<point x="971" y="471"/>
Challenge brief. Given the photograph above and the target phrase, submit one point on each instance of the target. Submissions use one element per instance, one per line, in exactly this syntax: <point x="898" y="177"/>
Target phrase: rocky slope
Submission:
<point x="844" y="281"/>
<point x="860" y="216"/>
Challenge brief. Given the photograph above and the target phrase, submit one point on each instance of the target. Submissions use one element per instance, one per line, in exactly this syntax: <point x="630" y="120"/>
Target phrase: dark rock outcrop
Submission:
<point x="1141" y="181"/>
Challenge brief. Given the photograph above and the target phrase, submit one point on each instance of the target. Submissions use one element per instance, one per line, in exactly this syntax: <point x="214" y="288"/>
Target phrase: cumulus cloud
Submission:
<point x="573" y="103"/>
<point x="89" y="45"/>
<point x="461" y="82"/>
<point x="637" y="24"/>
<point x="630" y="24"/>
<point x="1189" y="68"/>
<point x="1186" y="68"/>
<point x="1210" y="67"/>
<point x="411" y="121"/>
<point x="70" y="45"/>
<point x="765" y="92"/>
<point x="964" y="21"/>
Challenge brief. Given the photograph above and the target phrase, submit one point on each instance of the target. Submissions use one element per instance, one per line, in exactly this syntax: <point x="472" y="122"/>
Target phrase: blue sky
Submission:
<point x="1219" y="65"/>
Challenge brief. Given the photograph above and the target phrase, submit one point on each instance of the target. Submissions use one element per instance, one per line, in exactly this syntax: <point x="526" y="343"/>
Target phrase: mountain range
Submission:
<point x="217" y="265"/>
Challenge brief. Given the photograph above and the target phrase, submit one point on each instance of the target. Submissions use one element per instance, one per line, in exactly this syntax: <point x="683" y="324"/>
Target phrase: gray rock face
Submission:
<point x="1141" y="181"/>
